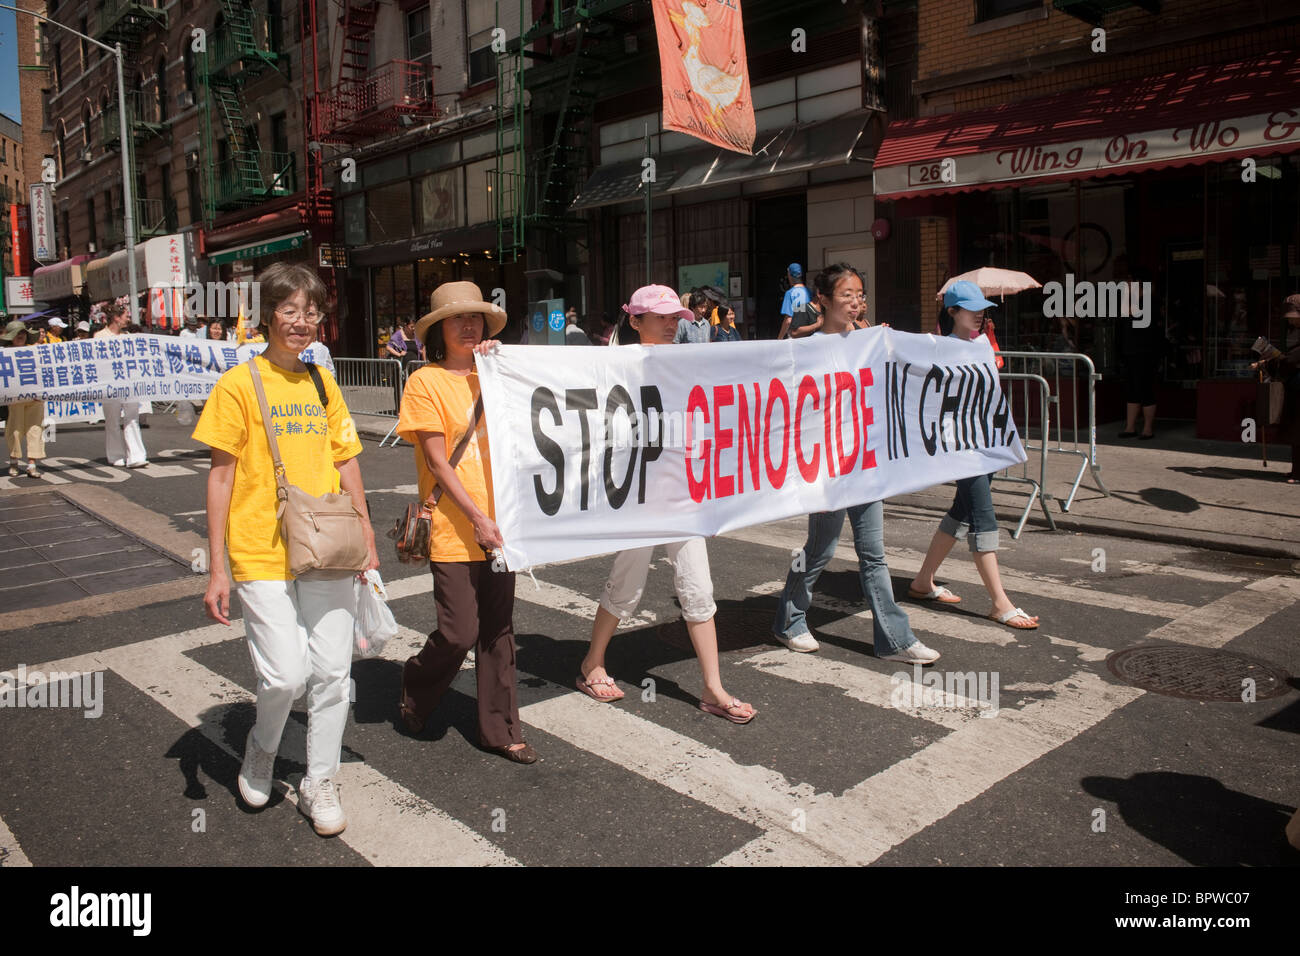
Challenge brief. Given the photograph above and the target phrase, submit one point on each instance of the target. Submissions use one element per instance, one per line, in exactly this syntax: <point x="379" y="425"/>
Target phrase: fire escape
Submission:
<point x="365" y="104"/>
<point x="239" y="173"/>
<point x="120" y="21"/>
<point x="533" y="189"/>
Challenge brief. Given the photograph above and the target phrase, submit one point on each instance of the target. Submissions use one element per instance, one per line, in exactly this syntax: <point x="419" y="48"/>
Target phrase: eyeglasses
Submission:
<point x="851" y="297"/>
<point x="292" y="315"/>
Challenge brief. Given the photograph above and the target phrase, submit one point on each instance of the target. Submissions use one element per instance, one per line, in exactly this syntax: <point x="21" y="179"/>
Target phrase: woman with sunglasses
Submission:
<point x="971" y="515"/>
<point x="839" y="290"/>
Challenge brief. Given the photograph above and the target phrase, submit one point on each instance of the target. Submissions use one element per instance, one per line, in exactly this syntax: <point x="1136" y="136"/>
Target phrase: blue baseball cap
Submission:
<point x="966" y="295"/>
<point x="795" y="270"/>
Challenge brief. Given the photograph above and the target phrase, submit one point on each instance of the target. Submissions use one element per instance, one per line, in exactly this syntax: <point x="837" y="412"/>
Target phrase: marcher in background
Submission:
<point x="193" y="328"/>
<point x="1286" y="369"/>
<point x="475" y="603"/>
<point x="124" y="445"/>
<point x="971" y="515"/>
<point x="653" y="315"/>
<point x="24" y="417"/>
<point x="795" y="296"/>
<point x="573" y="334"/>
<point x="1142" y="348"/>
<point x="54" y="333"/>
<point x="840" y="295"/>
<point x="725" y="329"/>
<point x="299" y="629"/>
<point x="217" y="331"/>
<point x="806" y="320"/>
<point x="695" y="326"/>
<point x="82" y="330"/>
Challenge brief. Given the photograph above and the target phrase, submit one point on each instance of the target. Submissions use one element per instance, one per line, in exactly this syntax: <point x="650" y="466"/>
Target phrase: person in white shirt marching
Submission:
<point x="124" y="445"/>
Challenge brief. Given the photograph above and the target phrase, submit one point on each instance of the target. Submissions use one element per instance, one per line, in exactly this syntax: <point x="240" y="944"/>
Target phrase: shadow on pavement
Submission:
<point x="1200" y="819"/>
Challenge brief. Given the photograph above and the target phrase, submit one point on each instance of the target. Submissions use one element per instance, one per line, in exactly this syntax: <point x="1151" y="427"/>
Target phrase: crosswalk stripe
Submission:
<point x="959" y="626"/>
<point x="909" y="561"/>
<point x="388" y="824"/>
<point x="11" y="854"/>
<point x="1176" y="570"/>
<point x="921" y="790"/>
<point x="1217" y="623"/>
<point x="860" y="683"/>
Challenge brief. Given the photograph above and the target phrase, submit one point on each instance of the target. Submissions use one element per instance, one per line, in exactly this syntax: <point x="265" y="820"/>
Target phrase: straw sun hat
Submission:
<point x="455" y="298"/>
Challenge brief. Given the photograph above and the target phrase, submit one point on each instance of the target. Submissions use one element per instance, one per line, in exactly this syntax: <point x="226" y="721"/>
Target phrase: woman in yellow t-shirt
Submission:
<point x="475" y="603"/>
<point x="299" y="630"/>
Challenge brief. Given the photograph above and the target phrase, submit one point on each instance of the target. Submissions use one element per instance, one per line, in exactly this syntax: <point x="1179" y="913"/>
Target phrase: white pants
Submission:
<point x="300" y="637"/>
<point x="122" y="432"/>
<point x="690" y="561"/>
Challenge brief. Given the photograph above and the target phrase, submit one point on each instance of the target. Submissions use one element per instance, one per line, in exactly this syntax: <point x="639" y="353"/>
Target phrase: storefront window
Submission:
<point x="479" y="201"/>
<point x="439" y="202"/>
<point x="354" y="220"/>
<point x="382" y="296"/>
<point x="404" y="292"/>
<point x="388" y="212"/>
<point x="429" y="274"/>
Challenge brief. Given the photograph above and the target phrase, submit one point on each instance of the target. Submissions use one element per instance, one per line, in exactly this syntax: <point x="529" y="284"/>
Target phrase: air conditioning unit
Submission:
<point x="184" y="99"/>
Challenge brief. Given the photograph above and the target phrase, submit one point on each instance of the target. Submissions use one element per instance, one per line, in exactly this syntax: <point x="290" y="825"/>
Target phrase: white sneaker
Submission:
<point x="803" y="643"/>
<point x="319" y="802"/>
<point x="255" y="774"/>
<point x="915" y="653"/>
<point x="120" y="463"/>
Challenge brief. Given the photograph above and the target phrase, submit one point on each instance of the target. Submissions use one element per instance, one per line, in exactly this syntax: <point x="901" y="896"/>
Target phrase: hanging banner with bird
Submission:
<point x="705" y="73"/>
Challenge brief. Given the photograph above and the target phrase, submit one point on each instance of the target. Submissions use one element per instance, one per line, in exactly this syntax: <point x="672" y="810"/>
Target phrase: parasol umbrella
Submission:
<point x="714" y="293"/>
<point x="992" y="281"/>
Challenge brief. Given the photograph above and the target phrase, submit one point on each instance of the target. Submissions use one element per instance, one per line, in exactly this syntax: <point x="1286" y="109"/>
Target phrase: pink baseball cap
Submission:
<point x="657" y="298"/>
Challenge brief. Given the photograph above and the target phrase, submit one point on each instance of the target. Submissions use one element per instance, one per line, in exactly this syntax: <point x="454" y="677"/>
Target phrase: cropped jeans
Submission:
<point x="971" y="515"/>
<point x="890" y="629"/>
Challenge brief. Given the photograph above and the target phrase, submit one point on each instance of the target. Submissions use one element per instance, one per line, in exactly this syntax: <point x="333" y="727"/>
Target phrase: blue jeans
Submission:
<point x="889" y="624"/>
<point x="971" y="515"/>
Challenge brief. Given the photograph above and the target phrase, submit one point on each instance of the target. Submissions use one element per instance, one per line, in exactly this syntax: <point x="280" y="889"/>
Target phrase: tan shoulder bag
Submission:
<point x="322" y="533"/>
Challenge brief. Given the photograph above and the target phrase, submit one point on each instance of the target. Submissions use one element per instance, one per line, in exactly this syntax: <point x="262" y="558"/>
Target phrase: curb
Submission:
<point x="1213" y="540"/>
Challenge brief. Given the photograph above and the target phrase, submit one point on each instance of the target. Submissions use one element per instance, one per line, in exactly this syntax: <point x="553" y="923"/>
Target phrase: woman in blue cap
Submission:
<point x="971" y="515"/>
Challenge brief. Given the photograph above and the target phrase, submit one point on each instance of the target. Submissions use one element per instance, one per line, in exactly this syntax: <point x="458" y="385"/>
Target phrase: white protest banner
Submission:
<point x="123" y="367"/>
<point x="600" y="450"/>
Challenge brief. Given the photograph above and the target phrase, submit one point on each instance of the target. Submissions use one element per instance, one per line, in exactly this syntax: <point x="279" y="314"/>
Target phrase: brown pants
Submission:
<point x="475" y="607"/>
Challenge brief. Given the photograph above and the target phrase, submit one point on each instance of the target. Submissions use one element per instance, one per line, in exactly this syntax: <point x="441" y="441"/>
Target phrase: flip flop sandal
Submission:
<point x="524" y="754"/>
<point x="587" y="687"/>
<point x="940" y="594"/>
<point x="726" y="712"/>
<point x="1011" y="615"/>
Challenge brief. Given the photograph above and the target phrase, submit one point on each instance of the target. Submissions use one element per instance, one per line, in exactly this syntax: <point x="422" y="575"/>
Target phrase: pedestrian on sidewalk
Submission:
<point x="1286" y="369"/>
<point x="971" y="515"/>
<point x="442" y="415"/>
<point x="25" y="418"/>
<point x="724" y="328"/>
<point x="299" y="628"/>
<point x="123" y="443"/>
<point x="796" y="297"/>
<point x="693" y="325"/>
<point x="1142" y="347"/>
<point x="840" y="293"/>
<point x="653" y="315"/>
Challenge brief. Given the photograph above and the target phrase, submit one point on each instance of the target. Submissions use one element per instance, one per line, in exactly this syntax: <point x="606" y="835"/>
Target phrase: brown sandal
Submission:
<point x="524" y="754"/>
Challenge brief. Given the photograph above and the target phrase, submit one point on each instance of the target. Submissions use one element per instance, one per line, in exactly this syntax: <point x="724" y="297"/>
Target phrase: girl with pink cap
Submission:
<point x="653" y="315"/>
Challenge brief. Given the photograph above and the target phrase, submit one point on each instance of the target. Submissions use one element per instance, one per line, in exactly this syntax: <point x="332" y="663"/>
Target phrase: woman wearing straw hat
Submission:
<point x="24" y="417"/>
<point x="653" y="314"/>
<point x="440" y="407"/>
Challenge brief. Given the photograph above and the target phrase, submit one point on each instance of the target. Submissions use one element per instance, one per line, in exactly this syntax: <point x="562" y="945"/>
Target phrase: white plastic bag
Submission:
<point x="374" y="624"/>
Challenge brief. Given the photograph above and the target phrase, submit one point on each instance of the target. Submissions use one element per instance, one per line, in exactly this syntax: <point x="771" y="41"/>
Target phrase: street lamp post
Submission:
<point x="129" y="212"/>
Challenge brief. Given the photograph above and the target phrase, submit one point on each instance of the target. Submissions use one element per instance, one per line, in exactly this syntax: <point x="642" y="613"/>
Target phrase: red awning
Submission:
<point x="1201" y="115"/>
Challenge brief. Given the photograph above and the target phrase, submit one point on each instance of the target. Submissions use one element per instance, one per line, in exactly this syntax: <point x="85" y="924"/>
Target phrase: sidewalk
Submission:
<point x="1218" y="496"/>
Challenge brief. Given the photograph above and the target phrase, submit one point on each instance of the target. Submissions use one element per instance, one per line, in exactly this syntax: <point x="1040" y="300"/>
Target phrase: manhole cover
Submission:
<point x="737" y="629"/>
<point x="1196" y="673"/>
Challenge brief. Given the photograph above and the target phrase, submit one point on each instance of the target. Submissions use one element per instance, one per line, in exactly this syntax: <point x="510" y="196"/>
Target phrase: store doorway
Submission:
<point x="780" y="237"/>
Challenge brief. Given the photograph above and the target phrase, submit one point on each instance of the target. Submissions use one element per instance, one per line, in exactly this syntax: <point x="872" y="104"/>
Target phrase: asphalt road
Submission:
<point x="1075" y="766"/>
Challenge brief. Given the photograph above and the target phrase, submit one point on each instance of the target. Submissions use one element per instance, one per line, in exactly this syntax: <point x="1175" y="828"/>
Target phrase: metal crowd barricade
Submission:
<point x="1053" y="367"/>
<point x="370" y="386"/>
<point x="408" y="368"/>
<point x="1039" y="484"/>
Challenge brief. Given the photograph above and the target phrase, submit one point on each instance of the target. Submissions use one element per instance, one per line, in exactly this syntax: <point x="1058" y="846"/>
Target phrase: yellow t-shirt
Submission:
<point x="311" y="439"/>
<point x="436" y="400"/>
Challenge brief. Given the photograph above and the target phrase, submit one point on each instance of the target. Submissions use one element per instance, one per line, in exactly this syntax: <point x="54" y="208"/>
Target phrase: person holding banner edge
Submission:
<point x="654" y="313"/>
<point x="441" y="405"/>
<point x="971" y="515"/>
<point x="839" y="289"/>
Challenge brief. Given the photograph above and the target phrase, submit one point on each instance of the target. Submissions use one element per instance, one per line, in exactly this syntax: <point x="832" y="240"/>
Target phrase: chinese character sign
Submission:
<point x="43" y="243"/>
<point x="705" y="72"/>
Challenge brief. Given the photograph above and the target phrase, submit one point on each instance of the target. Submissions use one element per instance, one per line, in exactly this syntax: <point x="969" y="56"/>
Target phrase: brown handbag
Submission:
<point x="322" y="533"/>
<point x="412" y="531"/>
